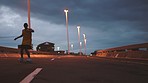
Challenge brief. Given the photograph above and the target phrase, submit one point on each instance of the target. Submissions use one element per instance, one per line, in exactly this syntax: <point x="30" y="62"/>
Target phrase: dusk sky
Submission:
<point x="106" y="23"/>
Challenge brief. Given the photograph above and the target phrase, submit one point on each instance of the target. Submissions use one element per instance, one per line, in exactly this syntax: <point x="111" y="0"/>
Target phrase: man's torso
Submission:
<point x="27" y="37"/>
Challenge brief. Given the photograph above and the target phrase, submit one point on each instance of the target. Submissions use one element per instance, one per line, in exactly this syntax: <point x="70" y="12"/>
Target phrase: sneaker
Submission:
<point x="21" y="59"/>
<point x="29" y="60"/>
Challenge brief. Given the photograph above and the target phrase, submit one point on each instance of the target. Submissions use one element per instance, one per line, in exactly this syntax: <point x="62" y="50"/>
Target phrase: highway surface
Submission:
<point x="73" y="69"/>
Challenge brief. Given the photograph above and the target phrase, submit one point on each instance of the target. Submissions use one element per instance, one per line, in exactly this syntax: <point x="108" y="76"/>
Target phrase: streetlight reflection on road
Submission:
<point x="66" y="14"/>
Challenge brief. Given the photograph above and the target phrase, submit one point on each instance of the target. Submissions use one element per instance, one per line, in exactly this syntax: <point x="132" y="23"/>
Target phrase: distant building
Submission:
<point x="94" y="53"/>
<point x="46" y="47"/>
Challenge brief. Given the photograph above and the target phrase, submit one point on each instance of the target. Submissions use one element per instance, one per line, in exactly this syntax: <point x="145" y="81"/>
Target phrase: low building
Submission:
<point x="46" y="47"/>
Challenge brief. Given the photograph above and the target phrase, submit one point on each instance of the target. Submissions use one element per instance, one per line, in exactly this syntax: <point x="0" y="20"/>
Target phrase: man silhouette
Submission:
<point x="26" y="42"/>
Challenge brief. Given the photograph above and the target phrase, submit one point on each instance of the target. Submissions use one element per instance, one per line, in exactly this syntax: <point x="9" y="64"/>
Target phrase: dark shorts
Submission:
<point x="24" y="46"/>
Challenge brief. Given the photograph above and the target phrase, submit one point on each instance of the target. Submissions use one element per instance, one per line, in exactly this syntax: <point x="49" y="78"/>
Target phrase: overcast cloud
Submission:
<point x="106" y="23"/>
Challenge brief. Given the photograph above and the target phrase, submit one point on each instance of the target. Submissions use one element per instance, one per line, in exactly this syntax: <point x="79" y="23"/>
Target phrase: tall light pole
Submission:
<point x="80" y="48"/>
<point x="72" y="47"/>
<point x="58" y="48"/>
<point x="84" y="36"/>
<point x="78" y="27"/>
<point x="29" y="22"/>
<point x="66" y="14"/>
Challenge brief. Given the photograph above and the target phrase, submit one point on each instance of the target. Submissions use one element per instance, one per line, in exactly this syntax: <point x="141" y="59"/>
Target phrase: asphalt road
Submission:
<point x="70" y="69"/>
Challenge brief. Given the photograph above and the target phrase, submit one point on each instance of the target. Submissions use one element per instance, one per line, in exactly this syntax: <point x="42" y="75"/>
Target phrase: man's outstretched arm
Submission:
<point x="18" y="37"/>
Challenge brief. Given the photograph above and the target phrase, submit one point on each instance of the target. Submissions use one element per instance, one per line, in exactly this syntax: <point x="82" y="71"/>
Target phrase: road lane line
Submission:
<point x="30" y="77"/>
<point x="52" y="59"/>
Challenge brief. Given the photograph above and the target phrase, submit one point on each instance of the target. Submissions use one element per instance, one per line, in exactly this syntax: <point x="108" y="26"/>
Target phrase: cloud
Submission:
<point x="107" y="23"/>
<point x="87" y="13"/>
<point x="44" y="30"/>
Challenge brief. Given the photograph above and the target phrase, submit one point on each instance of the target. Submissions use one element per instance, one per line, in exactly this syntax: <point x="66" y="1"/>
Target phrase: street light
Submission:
<point x="29" y="22"/>
<point x="78" y="27"/>
<point x="66" y="14"/>
<point x="84" y="43"/>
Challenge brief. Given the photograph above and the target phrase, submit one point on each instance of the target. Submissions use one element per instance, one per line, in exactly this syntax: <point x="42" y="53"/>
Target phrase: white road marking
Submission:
<point x="52" y="59"/>
<point x="5" y="55"/>
<point x="30" y="77"/>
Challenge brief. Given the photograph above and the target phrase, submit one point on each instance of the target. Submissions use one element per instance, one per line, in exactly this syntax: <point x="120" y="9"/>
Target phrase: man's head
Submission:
<point x="25" y="25"/>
